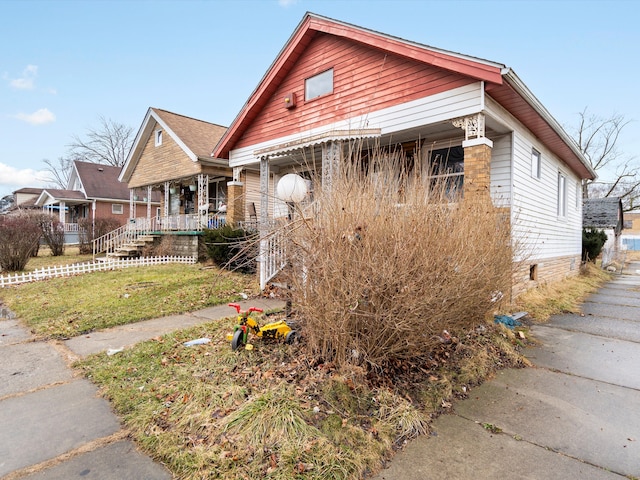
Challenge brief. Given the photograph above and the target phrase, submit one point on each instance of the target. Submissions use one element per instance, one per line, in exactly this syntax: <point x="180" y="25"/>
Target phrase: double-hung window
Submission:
<point x="562" y="195"/>
<point x="536" y="163"/>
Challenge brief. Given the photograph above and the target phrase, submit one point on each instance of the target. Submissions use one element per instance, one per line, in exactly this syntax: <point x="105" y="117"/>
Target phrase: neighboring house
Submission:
<point x="25" y="198"/>
<point x="171" y="154"/>
<point x="631" y="236"/>
<point x="93" y="192"/>
<point x="334" y="84"/>
<point x="605" y="214"/>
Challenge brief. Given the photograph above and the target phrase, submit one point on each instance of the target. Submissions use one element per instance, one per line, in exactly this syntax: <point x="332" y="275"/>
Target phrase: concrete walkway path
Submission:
<point x="53" y="423"/>
<point x="575" y="415"/>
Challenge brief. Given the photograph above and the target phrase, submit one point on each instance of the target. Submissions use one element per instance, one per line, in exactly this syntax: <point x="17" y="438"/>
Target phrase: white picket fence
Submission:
<point x="88" y="267"/>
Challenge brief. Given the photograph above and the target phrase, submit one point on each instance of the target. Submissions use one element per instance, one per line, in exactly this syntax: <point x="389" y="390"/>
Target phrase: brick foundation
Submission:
<point x="533" y="273"/>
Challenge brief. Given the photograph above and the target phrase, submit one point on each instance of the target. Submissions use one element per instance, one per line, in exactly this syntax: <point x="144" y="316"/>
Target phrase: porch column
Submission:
<point x="203" y="199"/>
<point x="264" y="220"/>
<point x="62" y="213"/>
<point x="132" y="203"/>
<point x="235" y="202"/>
<point x="477" y="169"/>
<point x="149" y="203"/>
<point x="330" y="162"/>
<point x="165" y="212"/>
<point x="477" y="157"/>
<point x="264" y="192"/>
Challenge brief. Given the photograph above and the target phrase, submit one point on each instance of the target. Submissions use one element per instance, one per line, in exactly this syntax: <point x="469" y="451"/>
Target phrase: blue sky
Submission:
<point x="63" y="64"/>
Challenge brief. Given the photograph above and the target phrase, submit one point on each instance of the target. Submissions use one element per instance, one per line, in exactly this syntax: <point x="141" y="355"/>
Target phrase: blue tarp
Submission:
<point x="507" y="320"/>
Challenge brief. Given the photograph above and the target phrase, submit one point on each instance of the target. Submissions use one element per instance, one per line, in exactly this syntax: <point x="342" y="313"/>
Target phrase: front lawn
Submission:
<point x="71" y="306"/>
<point x="275" y="412"/>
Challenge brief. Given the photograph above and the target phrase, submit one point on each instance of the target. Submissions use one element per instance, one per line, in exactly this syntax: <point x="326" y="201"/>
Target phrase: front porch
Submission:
<point x="130" y="234"/>
<point x="456" y="153"/>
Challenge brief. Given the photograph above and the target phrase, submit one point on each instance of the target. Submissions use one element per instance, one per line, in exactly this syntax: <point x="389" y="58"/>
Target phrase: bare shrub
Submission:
<point x="388" y="261"/>
<point x="90" y="229"/>
<point x="52" y="232"/>
<point x="19" y="237"/>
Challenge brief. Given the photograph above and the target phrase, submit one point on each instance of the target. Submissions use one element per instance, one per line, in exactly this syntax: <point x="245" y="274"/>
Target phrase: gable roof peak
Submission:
<point x="312" y="24"/>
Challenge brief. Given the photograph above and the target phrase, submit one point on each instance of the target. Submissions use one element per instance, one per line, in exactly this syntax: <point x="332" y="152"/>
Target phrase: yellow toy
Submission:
<point x="278" y="329"/>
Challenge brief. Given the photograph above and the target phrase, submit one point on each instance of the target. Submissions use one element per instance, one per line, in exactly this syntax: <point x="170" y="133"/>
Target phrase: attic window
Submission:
<point x="318" y="85"/>
<point x="158" y="138"/>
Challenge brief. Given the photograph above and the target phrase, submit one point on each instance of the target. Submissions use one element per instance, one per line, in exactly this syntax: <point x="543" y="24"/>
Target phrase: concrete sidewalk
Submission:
<point x="54" y="425"/>
<point x="575" y="415"/>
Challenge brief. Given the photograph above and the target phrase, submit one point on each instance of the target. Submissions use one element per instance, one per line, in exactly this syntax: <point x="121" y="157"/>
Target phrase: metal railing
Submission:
<point x="145" y="226"/>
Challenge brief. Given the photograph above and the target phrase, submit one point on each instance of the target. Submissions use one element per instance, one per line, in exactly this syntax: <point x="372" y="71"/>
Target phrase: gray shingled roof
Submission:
<point x="602" y="213"/>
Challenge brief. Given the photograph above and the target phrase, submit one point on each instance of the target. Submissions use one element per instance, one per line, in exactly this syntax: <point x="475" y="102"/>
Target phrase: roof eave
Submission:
<point x="527" y="95"/>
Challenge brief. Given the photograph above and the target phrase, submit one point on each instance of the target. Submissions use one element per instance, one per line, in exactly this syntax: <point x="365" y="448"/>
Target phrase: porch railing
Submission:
<point x="144" y="226"/>
<point x="273" y="256"/>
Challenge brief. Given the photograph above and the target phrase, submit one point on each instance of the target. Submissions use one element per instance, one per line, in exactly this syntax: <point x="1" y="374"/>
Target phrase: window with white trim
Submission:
<point x="158" y="138"/>
<point x="562" y="195"/>
<point x="318" y="85"/>
<point x="117" y="208"/>
<point x="536" y="163"/>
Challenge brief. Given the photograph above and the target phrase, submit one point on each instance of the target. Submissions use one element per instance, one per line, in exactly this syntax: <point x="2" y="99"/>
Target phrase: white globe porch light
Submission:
<point x="291" y="188"/>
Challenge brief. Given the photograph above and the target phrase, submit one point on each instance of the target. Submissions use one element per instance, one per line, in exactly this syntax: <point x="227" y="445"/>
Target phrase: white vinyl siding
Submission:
<point x="539" y="231"/>
<point x="501" y="171"/>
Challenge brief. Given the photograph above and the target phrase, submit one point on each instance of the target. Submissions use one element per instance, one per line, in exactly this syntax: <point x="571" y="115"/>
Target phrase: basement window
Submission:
<point x="318" y="85"/>
<point x="158" y="138"/>
<point x="533" y="272"/>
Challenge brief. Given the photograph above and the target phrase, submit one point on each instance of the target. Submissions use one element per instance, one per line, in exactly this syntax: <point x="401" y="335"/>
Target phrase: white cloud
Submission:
<point x="13" y="179"/>
<point x="39" y="117"/>
<point x="27" y="80"/>
<point x="287" y="3"/>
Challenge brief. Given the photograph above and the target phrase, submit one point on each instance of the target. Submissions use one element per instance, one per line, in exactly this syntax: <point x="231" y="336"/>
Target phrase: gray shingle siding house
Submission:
<point x="605" y="214"/>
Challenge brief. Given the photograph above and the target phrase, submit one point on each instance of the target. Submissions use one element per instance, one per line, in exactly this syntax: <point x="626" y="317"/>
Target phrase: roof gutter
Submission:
<point x="509" y="75"/>
<point x="217" y="162"/>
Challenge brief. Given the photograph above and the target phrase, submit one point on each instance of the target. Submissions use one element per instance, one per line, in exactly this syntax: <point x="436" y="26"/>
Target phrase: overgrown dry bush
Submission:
<point x="19" y="237"/>
<point x="388" y="261"/>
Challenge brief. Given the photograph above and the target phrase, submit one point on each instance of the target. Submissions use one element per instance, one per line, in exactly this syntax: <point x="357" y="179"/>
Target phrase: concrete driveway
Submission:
<point x="575" y="415"/>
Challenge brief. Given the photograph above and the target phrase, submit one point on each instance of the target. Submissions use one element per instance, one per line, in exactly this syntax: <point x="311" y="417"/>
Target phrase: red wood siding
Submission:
<point x="365" y="79"/>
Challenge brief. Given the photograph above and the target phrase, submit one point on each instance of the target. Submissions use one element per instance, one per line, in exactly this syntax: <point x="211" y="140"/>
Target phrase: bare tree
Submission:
<point x="109" y="144"/>
<point x="598" y="139"/>
<point x="58" y="172"/>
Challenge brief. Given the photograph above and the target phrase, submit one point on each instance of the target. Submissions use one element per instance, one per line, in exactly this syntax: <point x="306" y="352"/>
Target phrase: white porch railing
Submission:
<point x="141" y="226"/>
<point x="68" y="270"/>
<point x="273" y="256"/>
<point x="70" y="227"/>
